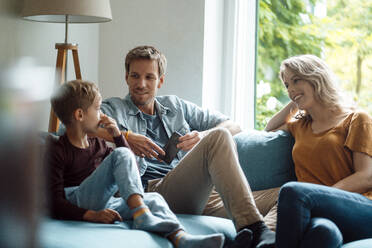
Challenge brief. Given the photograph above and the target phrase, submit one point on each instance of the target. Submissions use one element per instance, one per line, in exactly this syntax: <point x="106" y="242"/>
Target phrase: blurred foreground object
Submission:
<point x="24" y="95"/>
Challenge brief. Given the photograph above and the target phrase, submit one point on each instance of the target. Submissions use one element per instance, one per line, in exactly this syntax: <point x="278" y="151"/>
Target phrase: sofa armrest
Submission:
<point x="266" y="158"/>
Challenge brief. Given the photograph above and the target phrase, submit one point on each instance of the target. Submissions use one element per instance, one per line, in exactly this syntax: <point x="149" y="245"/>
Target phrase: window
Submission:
<point x="246" y="87"/>
<point x="338" y="31"/>
<point x="229" y="59"/>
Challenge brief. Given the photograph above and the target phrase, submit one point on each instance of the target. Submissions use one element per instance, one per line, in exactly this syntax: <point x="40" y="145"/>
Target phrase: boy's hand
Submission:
<point x="109" y="124"/>
<point x="107" y="216"/>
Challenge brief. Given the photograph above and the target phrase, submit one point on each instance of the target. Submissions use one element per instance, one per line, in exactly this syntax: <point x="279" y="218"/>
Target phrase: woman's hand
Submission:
<point x="361" y="180"/>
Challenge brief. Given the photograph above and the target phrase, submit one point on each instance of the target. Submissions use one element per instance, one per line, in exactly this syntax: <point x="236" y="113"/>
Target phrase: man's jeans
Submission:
<point x="311" y="215"/>
<point x="118" y="171"/>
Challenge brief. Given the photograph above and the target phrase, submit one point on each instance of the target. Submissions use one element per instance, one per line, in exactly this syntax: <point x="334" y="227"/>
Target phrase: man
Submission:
<point x="205" y="177"/>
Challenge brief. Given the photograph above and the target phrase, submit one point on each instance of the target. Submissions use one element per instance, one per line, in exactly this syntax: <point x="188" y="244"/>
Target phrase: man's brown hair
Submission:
<point x="146" y="52"/>
<point x="72" y="96"/>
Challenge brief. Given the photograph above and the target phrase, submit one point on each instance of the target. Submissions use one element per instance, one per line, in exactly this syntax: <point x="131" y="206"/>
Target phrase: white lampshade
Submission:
<point x="78" y="11"/>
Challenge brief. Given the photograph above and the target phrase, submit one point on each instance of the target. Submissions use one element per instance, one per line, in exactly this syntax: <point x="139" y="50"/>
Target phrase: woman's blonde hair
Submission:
<point x="321" y="78"/>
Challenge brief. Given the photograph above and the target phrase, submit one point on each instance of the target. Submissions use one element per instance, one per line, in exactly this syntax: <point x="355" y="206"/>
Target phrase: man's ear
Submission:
<point x="161" y="81"/>
<point x="79" y="114"/>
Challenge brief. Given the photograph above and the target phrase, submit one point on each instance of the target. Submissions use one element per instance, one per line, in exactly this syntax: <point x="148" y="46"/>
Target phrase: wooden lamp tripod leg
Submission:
<point x="60" y="75"/>
<point x="60" y="78"/>
<point x="76" y="63"/>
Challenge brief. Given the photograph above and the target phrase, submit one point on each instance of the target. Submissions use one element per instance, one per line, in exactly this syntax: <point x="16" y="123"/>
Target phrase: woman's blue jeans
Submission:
<point x="311" y="215"/>
<point x="118" y="171"/>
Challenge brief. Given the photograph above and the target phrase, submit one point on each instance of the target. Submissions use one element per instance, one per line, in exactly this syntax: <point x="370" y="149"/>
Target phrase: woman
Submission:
<point x="331" y="203"/>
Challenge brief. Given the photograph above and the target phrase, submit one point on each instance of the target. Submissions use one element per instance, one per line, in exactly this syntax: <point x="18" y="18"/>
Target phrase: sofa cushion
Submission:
<point x="363" y="243"/>
<point x="61" y="234"/>
<point x="266" y="158"/>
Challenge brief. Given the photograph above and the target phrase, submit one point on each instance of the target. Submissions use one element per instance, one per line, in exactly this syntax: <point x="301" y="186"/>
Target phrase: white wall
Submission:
<point x="173" y="26"/>
<point x="19" y="38"/>
<point x="176" y="27"/>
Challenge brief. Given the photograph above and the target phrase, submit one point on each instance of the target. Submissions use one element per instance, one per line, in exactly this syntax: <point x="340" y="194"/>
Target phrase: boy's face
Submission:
<point x="92" y="116"/>
<point x="143" y="81"/>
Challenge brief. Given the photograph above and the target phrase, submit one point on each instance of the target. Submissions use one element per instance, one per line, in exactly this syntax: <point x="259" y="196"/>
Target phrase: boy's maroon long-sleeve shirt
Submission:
<point x="69" y="166"/>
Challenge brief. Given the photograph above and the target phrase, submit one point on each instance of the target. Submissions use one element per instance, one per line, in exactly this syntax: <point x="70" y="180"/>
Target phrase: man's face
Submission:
<point x="143" y="81"/>
<point x="92" y="116"/>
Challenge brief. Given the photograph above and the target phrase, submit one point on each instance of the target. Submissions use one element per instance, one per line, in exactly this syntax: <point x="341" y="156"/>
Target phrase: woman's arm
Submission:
<point x="361" y="180"/>
<point x="280" y="119"/>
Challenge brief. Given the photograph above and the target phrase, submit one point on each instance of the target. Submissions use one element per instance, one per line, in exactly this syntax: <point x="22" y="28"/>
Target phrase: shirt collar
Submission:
<point x="134" y="110"/>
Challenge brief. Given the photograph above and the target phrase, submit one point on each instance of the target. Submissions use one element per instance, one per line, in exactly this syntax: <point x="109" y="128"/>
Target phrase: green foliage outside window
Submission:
<point x="343" y="38"/>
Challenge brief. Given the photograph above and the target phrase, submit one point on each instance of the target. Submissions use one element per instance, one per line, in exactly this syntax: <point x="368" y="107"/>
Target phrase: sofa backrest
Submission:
<point x="266" y="158"/>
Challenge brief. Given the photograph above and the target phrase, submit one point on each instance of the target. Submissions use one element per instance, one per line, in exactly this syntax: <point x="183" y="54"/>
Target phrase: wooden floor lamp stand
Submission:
<point x="61" y="76"/>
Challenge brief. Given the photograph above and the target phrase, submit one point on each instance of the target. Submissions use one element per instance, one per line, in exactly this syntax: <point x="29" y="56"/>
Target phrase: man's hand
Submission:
<point x="107" y="216"/>
<point x="189" y="140"/>
<point x="144" y="147"/>
<point x="110" y="125"/>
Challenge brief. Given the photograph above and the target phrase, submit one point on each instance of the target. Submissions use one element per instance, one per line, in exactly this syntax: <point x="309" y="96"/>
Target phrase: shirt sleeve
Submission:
<point x="293" y="126"/>
<point x="201" y="119"/>
<point x="359" y="136"/>
<point x="113" y="107"/>
<point x="61" y="129"/>
<point x="120" y="141"/>
<point x="106" y="108"/>
<point x="61" y="208"/>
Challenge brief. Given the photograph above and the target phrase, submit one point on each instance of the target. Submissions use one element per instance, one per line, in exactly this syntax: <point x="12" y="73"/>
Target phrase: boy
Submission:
<point x="86" y="173"/>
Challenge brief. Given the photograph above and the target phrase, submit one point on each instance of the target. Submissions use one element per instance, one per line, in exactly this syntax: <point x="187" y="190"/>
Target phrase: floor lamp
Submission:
<point x="66" y="11"/>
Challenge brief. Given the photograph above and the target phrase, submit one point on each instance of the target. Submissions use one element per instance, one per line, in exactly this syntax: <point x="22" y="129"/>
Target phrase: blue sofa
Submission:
<point x="266" y="161"/>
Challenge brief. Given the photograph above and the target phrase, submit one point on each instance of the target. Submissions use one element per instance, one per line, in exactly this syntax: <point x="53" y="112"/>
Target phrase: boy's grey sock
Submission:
<point x="185" y="240"/>
<point x="143" y="219"/>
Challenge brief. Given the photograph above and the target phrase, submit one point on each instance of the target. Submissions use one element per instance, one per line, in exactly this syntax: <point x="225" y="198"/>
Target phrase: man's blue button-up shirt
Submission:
<point x="175" y="114"/>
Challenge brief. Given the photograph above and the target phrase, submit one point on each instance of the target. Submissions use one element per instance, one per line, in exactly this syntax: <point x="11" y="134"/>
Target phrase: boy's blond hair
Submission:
<point x="72" y="96"/>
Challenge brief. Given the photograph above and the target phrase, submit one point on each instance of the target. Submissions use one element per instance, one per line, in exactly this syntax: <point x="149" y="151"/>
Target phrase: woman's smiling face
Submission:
<point x="299" y="90"/>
